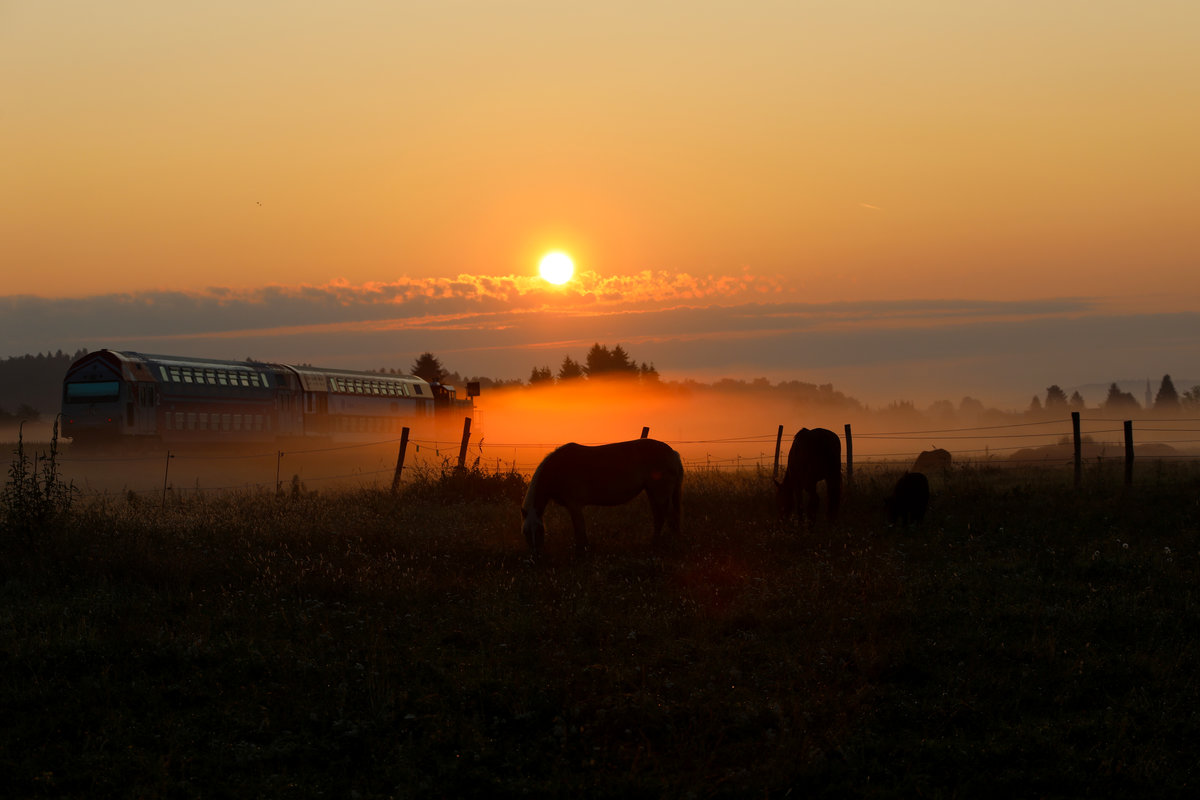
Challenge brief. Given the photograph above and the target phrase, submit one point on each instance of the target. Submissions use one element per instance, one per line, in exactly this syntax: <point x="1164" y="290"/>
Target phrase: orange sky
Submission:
<point x="866" y="191"/>
<point x="861" y="150"/>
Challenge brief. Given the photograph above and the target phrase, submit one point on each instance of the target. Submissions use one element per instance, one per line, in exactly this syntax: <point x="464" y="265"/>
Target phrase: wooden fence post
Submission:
<point x="645" y="432"/>
<point x="778" y="444"/>
<point x="166" y="471"/>
<point x="849" y="456"/>
<point x="1128" y="452"/>
<point x="1078" y="448"/>
<point x="278" y="460"/>
<point x="400" y="460"/>
<point x="462" y="448"/>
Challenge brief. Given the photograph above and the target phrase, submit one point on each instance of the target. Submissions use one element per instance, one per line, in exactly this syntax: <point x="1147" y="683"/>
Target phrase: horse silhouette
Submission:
<point x="929" y="460"/>
<point x="815" y="455"/>
<point x="577" y="475"/>
<point x="909" y="500"/>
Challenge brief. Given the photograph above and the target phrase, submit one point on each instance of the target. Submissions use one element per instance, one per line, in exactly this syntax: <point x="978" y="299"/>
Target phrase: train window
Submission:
<point x="163" y="372"/>
<point x="202" y="421"/>
<point x="237" y="422"/>
<point x="98" y="392"/>
<point x="417" y="389"/>
<point x="178" y="420"/>
<point x="191" y="421"/>
<point x="187" y="375"/>
<point x="226" y="420"/>
<point x="175" y="375"/>
<point x="258" y="426"/>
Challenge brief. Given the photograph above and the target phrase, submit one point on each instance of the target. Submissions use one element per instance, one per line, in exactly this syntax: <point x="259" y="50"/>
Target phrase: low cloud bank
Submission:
<point x="709" y="327"/>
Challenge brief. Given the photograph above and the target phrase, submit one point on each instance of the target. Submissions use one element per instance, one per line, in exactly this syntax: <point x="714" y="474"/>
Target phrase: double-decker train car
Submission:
<point x="112" y="397"/>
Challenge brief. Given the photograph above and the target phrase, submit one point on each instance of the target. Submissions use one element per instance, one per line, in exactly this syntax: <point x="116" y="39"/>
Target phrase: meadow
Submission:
<point x="1030" y="638"/>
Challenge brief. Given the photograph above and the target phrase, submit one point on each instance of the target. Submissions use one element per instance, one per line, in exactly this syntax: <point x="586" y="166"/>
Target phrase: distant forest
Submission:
<point x="31" y="386"/>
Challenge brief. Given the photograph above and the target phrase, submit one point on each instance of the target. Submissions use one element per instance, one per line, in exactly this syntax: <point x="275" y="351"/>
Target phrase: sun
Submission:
<point x="556" y="267"/>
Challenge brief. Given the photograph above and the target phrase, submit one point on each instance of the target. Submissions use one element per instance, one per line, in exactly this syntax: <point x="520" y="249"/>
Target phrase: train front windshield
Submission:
<point x="96" y="392"/>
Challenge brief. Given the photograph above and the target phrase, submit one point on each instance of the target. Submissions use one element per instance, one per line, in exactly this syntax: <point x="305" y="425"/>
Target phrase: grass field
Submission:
<point x="1029" y="639"/>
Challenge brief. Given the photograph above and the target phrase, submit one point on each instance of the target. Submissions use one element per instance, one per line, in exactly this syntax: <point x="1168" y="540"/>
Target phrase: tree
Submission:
<point x="648" y="373"/>
<point x="541" y="375"/>
<point x="1035" y="406"/>
<point x="428" y="367"/>
<point x="601" y="361"/>
<point x="1076" y="401"/>
<point x="1120" y="401"/>
<point x="1167" y="398"/>
<point x="1055" y="397"/>
<point x="970" y="405"/>
<point x="570" y="369"/>
<point x="618" y="361"/>
<point x="1190" y="399"/>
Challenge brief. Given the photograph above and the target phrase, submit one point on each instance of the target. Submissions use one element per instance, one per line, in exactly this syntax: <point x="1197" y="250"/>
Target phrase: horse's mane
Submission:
<point x="536" y="491"/>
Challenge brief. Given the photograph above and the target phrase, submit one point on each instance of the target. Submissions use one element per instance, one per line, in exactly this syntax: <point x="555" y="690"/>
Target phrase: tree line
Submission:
<point x="1166" y="401"/>
<point x="31" y="385"/>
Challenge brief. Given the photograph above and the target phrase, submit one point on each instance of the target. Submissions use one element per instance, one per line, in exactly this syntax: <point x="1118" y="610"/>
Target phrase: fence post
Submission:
<point x="166" y="470"/>
<point x="1128" y="452"/>
<point x="1078" y="448"/>
<point x="278" y="459"/>
<point x="462" y="448"/>
<point x="645" y="432"/>
<point x="778" y="444"/>
<point x="849" y="456"/>
<point x="400" y="460"/>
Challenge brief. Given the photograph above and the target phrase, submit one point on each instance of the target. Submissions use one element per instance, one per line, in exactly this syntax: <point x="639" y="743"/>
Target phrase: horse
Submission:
<point x="909" y="500"/>
<point x="929" y="460"/>
<point x="816" y="455"/>
<point x="577" y="475"/>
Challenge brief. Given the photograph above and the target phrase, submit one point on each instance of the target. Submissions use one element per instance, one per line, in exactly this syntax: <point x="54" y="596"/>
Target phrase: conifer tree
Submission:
<point x="1167" y="398"/>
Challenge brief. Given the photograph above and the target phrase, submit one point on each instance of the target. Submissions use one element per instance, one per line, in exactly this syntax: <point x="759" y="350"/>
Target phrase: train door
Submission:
<point x="140" y="411"/>
<point x="316" y="413"/>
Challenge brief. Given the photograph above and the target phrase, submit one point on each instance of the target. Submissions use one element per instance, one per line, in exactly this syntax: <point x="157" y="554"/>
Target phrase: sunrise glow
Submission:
<point x="556" y="267"/>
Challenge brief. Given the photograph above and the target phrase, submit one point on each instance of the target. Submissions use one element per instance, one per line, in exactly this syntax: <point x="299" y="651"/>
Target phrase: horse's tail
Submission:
<point x="675" y="512"/>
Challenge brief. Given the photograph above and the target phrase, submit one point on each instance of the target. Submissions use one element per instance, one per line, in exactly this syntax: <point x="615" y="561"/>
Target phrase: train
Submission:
<point x="113" y="397"/>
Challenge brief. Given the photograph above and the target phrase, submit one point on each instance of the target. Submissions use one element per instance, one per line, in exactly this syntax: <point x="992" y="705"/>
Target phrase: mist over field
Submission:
<point x="727" y="427"/>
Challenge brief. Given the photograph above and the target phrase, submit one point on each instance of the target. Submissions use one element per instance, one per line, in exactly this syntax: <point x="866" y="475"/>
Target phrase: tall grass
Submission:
<point x="1028" y="639"/>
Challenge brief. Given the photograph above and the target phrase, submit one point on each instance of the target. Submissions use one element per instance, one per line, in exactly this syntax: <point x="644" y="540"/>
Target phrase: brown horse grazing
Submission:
<point x="577" y="475"/>
<point x="909" y="500"/>
<point x="816" y="455"/>
<point x="929" y="460"/>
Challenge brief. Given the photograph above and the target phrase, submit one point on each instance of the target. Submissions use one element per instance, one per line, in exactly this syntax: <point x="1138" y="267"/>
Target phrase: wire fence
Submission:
<point x="1047" y="442"/>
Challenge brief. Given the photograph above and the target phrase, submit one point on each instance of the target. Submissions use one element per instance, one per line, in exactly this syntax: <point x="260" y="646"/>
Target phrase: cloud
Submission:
<point x="689" y="326"/>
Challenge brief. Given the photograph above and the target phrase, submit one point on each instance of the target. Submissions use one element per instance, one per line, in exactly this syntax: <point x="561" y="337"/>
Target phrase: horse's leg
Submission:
<point x="581" y="542"/>
<point x="814" y="501"/>
<point x="658" y="507"/>
<point x="675" y="511"/>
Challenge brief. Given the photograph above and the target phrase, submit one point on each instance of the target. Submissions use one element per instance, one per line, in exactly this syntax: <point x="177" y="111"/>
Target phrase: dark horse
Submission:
<point x="816" y="455"/>
<point x="577" y="475"/>
<point x="909" y="499"/>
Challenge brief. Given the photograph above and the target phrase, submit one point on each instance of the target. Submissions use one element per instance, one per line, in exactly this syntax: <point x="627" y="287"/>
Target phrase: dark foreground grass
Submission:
<point x="1028" y="640"/>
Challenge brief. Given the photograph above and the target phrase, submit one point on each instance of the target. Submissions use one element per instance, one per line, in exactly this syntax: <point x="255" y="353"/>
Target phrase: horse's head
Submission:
<point x="533" y="528"/>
